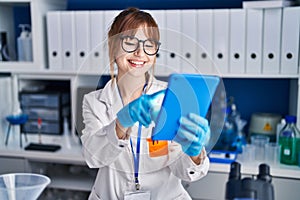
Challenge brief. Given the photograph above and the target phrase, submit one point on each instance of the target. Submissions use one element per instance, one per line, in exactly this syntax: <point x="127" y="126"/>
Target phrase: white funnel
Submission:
<point x="22" y="186"/>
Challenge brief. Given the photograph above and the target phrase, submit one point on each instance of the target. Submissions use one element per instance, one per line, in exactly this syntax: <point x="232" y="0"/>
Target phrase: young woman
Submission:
<point x="118" y="123"/>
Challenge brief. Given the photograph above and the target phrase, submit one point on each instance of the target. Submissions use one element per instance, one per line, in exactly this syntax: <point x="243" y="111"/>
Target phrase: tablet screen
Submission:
<point x="186" y="93"/>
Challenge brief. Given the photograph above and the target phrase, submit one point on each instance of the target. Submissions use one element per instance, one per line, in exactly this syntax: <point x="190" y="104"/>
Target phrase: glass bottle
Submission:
<point x="289" y="139"/>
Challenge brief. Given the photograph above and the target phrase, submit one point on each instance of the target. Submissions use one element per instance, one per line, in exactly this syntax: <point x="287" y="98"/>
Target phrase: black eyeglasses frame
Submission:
<point x="140" y="41"/>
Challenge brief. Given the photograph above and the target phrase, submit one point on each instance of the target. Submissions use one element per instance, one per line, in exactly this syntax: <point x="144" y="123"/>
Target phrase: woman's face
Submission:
<point x="136" y="63"/>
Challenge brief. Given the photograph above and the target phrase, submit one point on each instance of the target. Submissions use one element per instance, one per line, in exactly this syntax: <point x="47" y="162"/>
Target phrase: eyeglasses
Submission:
<point x="131" y="44"/>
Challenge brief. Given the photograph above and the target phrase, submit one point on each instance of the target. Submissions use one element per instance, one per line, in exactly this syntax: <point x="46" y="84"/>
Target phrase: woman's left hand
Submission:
<point x="193" y="134"/>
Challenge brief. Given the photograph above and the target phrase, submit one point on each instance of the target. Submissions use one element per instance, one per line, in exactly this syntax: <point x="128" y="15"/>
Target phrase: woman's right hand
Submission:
<point x="142" y="110"/>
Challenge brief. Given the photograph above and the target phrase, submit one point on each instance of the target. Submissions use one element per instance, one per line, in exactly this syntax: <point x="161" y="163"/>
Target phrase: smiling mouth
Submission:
<point x="136" y="64"/>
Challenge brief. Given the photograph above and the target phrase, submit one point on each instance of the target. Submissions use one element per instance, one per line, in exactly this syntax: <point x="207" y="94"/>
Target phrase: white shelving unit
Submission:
<point x="38" y="9"/>
<point x="38" y="70"/>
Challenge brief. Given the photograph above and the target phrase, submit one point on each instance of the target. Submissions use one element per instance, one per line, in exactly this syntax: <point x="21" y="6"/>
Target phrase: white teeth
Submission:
<point x="137" y="62"/>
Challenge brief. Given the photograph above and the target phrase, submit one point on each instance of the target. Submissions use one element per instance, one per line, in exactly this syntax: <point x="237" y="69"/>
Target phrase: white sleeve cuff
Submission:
<point x="113" y="138"/>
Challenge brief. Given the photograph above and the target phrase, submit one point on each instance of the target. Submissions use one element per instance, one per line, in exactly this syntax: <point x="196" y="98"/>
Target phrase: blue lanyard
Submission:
<point x="136" y="157"/>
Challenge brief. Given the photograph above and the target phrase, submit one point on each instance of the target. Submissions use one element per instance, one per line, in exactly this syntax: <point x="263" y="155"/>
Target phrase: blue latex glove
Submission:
<point x="143" y="110"/>
<point x="193" y="134"/>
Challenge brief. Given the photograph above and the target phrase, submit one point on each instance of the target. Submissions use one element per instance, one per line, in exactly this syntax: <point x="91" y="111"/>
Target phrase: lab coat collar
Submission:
<point x="111" y="97"/>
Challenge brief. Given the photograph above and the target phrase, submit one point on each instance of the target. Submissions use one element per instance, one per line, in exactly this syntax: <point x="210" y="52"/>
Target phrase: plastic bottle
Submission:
<point x="66" y="134"/>
<point x="289" y="139"/>
<point x="24" y="43"/>
<point x="4" y="55"/>
<point x="240" y="138"/>
<point x="279" y="127"/>
<point x="228" y="134"/>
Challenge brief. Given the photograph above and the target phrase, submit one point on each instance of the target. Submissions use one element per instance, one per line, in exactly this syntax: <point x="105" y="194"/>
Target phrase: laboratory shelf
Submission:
<point x="25" y="71"/>
<point x="35" y="10"/>
<point x="279" y="170"/>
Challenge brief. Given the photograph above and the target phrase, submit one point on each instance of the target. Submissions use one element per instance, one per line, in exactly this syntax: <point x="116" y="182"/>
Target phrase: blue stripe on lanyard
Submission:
<point x="136" y="156"/>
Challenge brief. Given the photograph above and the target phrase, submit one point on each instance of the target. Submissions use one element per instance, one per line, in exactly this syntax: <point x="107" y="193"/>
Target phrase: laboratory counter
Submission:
<point x="73" y="155"/>
<point x="67" y="169"/>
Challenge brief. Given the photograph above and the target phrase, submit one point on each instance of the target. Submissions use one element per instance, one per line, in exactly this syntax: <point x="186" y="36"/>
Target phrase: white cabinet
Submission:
<point x="285" y="181"/>
<point x="36" y="9"/>
<point x="13" y="165"/>
<point x="66" y="168"/>
<point x="212" y="186"/>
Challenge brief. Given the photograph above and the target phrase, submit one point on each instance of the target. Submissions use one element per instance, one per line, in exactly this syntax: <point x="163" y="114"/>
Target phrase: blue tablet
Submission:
<point x="186" y="93"/>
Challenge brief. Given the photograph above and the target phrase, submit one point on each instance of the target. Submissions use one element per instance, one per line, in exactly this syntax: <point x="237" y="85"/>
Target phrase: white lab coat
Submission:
<point x="102" y="149"/>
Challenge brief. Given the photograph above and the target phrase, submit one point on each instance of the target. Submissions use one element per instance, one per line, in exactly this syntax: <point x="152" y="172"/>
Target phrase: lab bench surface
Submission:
<point x="64" y="155"/>
<point x="67" y="170"/>
<point x="279" y="170"/>
<point x="74" y="156"/>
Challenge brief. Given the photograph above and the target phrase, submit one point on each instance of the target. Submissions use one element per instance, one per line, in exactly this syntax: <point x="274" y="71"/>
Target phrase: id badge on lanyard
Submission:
<point x="137" y="194"/>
